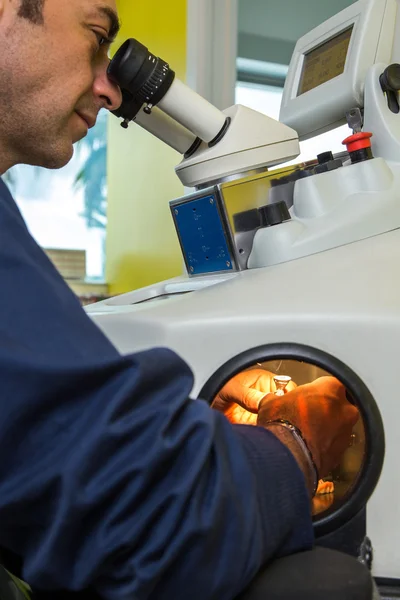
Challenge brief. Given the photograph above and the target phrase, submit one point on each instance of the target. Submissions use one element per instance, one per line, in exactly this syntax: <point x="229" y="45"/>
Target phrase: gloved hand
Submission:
<point x="322" y="413"/>
<point x="240" y="397"/>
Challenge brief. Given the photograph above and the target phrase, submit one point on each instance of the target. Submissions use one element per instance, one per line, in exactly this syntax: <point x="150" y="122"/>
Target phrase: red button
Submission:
<point x="358" y="141"/>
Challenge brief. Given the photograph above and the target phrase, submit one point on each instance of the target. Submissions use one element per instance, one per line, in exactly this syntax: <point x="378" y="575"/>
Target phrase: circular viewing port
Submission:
<point x="345" y="491"/>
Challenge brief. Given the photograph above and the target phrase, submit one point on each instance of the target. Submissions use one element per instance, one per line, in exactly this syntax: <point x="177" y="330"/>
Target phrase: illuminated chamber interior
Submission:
<point x="346" y="475"/>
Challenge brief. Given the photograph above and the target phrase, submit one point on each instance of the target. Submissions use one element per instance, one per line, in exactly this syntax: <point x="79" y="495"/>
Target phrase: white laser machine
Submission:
<point x="291" y="268"/>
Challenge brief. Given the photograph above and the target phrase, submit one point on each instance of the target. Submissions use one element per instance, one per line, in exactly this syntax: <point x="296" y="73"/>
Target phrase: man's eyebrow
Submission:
<point x="115" y="25"/>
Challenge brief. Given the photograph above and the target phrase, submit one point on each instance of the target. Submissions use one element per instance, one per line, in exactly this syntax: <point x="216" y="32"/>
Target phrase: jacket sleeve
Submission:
<point x="110" y="476"/>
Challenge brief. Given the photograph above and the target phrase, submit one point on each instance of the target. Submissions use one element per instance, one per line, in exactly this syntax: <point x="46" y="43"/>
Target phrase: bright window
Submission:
<point x="267" y="99"/>
<point x="66" y="209"/>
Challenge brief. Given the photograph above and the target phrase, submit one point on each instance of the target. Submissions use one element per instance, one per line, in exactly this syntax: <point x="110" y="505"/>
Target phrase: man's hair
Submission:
<point x="32" y="10"/>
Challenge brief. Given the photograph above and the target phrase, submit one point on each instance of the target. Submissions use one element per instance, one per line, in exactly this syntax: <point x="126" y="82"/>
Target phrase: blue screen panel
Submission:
<point x="202" y="236"/>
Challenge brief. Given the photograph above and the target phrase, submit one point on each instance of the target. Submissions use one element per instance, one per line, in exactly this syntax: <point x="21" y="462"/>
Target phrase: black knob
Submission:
<point x="274" y="214"/>
<point x="390" y="78"/>
<point x="247" y="220"/>
<point x="390" y="84"/>
<point x="324" y="157"/>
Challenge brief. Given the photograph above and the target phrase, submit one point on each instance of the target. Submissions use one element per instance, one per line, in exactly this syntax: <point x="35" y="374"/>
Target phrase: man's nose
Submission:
<point x="107" y="92"/>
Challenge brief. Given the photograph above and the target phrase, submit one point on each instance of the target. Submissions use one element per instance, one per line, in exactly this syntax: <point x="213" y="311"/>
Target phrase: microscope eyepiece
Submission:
<point x="148" y="83"/>
<point x="144" y="79"/>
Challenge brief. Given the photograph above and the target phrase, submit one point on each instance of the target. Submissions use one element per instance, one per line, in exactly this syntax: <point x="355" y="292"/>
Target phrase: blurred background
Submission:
<point x="104" y="219"/>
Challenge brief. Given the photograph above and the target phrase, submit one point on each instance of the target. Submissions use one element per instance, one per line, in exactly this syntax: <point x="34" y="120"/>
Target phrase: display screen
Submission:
<point x="325" y="62"/>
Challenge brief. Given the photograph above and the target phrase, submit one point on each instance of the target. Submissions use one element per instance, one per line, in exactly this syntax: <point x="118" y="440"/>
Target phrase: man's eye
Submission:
<point x="101" y="39"/>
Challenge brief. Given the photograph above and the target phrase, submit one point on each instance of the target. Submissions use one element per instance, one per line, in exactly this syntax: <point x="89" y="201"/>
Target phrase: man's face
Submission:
<point x="53" y="78"/>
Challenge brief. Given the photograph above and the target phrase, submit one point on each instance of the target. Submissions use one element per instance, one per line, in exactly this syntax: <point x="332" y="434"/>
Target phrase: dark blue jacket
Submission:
<point x="110" y="476"/>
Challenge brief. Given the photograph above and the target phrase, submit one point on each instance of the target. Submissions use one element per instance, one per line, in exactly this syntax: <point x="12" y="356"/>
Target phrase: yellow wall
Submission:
<point x="142" y="247"/>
